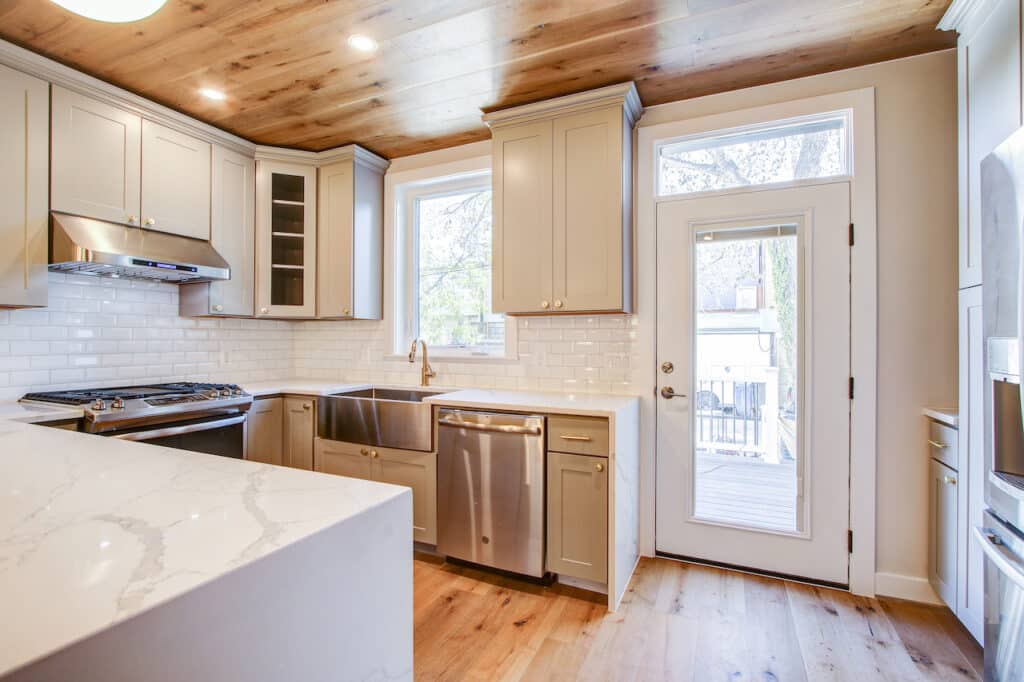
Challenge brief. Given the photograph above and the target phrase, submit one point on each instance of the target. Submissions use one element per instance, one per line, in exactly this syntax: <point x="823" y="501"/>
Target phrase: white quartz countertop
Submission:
<point x="94" y="530"/>
<point x="537" y="401"/>
<point x="299" y="387"/>
<point x="34" y="413"/>
<point x="946" y="415"/>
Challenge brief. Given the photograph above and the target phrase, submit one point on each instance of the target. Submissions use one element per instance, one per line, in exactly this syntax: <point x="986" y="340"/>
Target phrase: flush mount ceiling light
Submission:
<point x="362" y="43"/>
<point x="215" y="95"/>
<point x="113" y="11"/>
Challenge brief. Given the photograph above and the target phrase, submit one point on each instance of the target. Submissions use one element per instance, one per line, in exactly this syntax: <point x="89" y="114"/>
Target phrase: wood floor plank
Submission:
<point x="680" y="622"/>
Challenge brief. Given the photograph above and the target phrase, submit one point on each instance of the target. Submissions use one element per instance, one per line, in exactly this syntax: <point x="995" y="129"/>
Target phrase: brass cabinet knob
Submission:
<point x="373" y="453"/>
<point x="151" y="221"/>
<point x="132" y="218"/>
<point x="558" y="303"/>
<point x="598" y="468"/>
<point x="364" y="452"/>
<point x="306" y="406"/>
<point x="263" y="311"/>
<point x="346" y="312"/>
<point x="949" y="480"/>
<point x="545" y="305"/>
<point x="218" y="308"/>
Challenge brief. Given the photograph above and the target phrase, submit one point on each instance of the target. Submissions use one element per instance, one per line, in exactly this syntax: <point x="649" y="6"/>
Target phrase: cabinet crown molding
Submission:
<point x="317" y="159"/>
<point x="961" y="14"/>
<point x="621" y="94"/>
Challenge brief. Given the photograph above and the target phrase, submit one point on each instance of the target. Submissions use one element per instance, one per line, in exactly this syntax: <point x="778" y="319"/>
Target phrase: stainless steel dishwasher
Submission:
<point x="490" y="489"/>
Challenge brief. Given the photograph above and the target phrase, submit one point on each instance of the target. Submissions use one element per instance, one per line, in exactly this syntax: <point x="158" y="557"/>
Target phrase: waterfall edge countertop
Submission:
<point x="34" y="413"/>
<point x="95" y="530"/>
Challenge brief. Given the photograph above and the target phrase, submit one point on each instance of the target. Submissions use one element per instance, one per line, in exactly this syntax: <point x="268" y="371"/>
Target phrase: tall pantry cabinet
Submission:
<point x="989" y="58"/>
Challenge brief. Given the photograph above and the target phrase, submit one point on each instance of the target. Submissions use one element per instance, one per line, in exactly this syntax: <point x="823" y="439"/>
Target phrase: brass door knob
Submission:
<point x="668" y="393"/>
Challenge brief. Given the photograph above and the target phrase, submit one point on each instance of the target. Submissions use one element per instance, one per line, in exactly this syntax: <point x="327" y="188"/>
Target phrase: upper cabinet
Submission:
<point x="110" y="164"/>
<point x="96" y="159"/>
<point x="562" y="176"/>
<point x="350" y="236"/>
<point x="285" y="239"/>
<point x="24" y="114"/>
<point x="233" y="235"/>
<point x="175" y="182"/>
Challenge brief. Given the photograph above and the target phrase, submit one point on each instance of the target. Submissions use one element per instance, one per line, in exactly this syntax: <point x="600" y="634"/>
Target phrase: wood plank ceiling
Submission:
<point x="292" y="80"/>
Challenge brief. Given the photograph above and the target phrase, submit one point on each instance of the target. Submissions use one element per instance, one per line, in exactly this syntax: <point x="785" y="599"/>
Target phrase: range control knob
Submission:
<point x="99" y="404"/>
<point x="117" y="403"/>
<point x="213" y="394"/>
<point x="225" y="392"/>
<point x="236" y="391"/>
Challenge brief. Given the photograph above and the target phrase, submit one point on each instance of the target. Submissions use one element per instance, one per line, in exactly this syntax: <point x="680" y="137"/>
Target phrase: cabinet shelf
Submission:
<point x="281" y="266"/>
<point x="292" y="235"/>
<point x="285" y="202"/>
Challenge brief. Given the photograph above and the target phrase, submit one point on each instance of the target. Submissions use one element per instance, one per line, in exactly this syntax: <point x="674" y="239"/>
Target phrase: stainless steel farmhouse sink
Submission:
<point x="384" y="417"/>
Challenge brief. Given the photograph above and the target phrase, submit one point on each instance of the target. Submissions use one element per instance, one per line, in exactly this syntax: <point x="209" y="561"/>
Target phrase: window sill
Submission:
<point x="469" y="359"/>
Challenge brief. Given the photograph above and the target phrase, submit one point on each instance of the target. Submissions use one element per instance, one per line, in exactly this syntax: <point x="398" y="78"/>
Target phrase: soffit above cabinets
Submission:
<point x="291" y="80"/>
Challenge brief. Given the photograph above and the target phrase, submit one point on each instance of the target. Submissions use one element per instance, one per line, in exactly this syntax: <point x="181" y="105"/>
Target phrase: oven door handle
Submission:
<point x="1005" y="560"/>
<point x="179" y="430"/>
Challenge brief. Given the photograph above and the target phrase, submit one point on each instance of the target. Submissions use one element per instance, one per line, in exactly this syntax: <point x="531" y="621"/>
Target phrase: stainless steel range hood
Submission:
<point x="96" y="247"/>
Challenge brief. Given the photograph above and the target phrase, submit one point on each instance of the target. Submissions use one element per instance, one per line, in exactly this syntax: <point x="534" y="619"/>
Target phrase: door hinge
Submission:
<point x="851" y="388"/>
<point x="851" y="234"/>
<point x="849" y="541"/>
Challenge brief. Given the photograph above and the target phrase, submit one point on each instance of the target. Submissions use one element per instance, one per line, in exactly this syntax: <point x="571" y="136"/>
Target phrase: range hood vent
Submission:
<point x="95" y="247"/>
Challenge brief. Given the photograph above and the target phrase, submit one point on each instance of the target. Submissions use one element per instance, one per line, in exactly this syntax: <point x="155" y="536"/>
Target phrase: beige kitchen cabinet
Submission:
<point x="96" y="158"/>
<point x="943" y="534"/>
<point x="562" y="184"/>
<point x="971" y="471"/>
<point x="24" y="177"/>
<point x="298" y="432"/>
<point x="409" y="468"/>
<point x="350" y="236"/>
<point x="233" y="235"/>
<point x="175" y="182"/>
<point x="577" y="506"/>
<point x="264" y="431"/>
<point x="286" y="244"/>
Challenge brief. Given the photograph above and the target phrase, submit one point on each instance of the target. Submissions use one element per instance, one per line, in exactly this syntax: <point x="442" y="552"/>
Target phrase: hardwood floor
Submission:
<point x="677" y="622"/>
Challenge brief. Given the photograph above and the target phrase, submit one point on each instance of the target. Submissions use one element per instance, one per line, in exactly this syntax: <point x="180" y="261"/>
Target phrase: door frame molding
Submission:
<point x="863" y="303"/>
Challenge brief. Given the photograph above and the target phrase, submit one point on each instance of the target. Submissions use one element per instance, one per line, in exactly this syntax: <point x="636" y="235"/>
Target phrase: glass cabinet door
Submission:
<point x="287" y="229"/>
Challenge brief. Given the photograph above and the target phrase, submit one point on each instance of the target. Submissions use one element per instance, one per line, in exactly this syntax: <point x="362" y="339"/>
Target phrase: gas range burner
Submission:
<point x="115" y="408"/>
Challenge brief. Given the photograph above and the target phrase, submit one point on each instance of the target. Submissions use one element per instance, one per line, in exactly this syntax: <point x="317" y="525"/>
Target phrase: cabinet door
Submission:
<point x="590" y="214"/>
<point x="578" y="516"/>
<point x="343" y="459"/>
<point x="993" y="112"/>
<point x="263" y="431"/>
<point x="95" y="159"/>
<point x="232" y="231"/>
<point x="285" y="240"/>
<point x="971" y="455"/>
<point x="416" y="470"/>
<point x="522" y="229"/>
<point x="943" y="536"/>
<point x="299" y="431"/>
<point x="175" y="182"/>
<point x="334" y="250"/>
<point x="24" y="108"/>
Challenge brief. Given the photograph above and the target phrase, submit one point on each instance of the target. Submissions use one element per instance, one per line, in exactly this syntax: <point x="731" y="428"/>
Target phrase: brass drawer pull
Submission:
<point x="936" y="444"/>
<point x="585" y="439"/>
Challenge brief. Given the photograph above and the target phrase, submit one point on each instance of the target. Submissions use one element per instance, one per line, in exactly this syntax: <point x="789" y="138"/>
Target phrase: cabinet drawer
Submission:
<point x="942" y="441"/>
<point x="581" y="435"/>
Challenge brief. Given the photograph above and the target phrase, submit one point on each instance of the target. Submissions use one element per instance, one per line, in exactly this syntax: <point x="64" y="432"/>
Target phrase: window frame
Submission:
<point x="846" y="114"/>
<point x="407" y="196"/>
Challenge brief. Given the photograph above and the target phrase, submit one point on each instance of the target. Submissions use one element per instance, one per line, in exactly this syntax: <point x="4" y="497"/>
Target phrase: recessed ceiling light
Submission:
<point x="113" y="11"/>
<point x="210" y="93"/>
<point x="362" y="43"/>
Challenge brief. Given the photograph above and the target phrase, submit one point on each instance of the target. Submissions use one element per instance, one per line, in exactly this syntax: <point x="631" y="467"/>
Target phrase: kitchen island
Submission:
<point x="124" y="561"/>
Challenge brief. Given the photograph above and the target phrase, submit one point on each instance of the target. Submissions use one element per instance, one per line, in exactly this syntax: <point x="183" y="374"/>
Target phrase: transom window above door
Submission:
<point x="444" y="268"/>
<point x="775" y="153"/>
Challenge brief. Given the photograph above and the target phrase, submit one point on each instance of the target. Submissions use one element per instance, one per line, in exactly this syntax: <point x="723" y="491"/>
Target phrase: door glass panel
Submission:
<point x="746" y="417"/>
<point x="288" y="233"/>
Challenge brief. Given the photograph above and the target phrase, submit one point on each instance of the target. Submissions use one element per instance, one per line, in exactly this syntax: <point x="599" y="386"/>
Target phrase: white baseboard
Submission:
<point x="910" y="587"/>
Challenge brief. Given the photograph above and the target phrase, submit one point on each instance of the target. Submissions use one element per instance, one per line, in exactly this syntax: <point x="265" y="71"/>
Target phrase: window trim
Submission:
<point x="405" y="304"/>
<point x="846" y="114"/>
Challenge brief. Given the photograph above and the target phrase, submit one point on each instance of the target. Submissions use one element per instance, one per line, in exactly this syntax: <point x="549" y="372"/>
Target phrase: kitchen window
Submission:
<point x="443" y="287"/>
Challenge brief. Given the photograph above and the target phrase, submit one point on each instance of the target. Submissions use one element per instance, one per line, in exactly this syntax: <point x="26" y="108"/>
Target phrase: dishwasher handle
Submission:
<point x="494" y="428"/>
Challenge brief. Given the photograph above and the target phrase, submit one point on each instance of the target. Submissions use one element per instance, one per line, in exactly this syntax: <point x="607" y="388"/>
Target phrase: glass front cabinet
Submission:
<point x="286" y="250"/>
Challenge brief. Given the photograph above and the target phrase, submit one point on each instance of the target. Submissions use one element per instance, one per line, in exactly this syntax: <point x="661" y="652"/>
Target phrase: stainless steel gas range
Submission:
<point x="206" y="418"/>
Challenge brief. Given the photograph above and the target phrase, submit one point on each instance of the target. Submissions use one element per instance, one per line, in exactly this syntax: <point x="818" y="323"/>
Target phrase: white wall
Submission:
<point x="916" y="145"/>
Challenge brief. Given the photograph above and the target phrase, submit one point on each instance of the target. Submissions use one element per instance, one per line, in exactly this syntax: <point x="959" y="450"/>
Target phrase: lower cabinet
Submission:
<point x="943" y="537"/>
<point x="409" y="468"/>
<point x="263" y="431"/>
<point x="578" y="516"/>
<point x="299" y="431"/>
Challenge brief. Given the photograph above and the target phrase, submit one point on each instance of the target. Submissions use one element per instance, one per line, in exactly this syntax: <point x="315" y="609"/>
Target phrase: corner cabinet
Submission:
<point x="232" y="234"/>
<point x="24" y="174"/>
<point x="285" y="240"/>
<point x="350" y="236"/>
<point x="562" y="183"/>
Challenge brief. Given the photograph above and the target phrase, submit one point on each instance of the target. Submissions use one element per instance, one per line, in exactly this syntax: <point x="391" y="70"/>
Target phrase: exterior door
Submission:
<point x="754" y="363"/>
